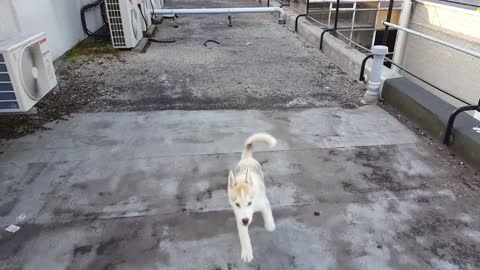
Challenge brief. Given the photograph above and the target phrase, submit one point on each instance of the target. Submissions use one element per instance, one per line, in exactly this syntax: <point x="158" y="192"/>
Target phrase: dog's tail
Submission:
<point x="257" y="138"/>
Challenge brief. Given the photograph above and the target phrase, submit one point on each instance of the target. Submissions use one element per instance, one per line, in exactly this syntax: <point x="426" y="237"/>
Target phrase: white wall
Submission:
<point x="60" y="19"/>
<point x="453" y="71"/>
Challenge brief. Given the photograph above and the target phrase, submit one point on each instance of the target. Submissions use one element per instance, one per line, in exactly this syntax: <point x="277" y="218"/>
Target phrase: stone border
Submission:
<point x="431" y="113"/>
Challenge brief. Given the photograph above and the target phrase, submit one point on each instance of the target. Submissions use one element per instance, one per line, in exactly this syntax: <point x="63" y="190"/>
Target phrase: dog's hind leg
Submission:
<point x="247" y="251"/>
<point x="268" y="216"/>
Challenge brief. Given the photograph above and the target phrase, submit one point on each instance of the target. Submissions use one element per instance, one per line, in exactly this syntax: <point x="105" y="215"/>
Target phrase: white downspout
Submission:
<point x="281" y="12"/>
<point x="400" y="43"/>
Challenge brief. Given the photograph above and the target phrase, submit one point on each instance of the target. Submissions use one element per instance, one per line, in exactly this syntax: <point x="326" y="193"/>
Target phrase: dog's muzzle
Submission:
<point x="245" y="221"/>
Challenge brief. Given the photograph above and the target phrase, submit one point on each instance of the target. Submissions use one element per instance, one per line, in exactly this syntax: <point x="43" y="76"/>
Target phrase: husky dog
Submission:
<point x="246" y="193"/>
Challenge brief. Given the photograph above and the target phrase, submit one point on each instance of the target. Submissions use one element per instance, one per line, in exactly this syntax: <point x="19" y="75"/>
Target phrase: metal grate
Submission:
<point x="115" y="22"/>
<point x="349" y="106"/>
<point x="8" y="100"/>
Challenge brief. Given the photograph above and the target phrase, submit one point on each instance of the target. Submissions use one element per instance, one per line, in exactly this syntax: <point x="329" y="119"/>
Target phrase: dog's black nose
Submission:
<point x="245" y="221"/>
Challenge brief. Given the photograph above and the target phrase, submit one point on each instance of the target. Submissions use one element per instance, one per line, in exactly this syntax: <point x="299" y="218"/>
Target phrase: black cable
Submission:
<point x="83" y="10"/>
<point x="151" y="12"/>
<point x="161" y="41"/>
<point x="103" y="11"/>
<point x="210" y="40"/>
<point x="143" y="16"/>
<point x="146" y="26"/>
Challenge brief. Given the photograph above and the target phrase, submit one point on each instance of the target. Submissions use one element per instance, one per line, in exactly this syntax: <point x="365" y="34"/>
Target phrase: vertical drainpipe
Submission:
<point x="400" y="43"/>
<point x="375" y="76"/>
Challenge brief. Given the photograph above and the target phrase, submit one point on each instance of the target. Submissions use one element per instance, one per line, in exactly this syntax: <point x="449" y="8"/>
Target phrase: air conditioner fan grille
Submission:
<point x="29" y="68"/>
<point x="115" y="21"/>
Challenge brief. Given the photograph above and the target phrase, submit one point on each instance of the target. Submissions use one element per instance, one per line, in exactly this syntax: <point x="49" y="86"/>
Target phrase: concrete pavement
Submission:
<point x="124" y="183"/>
<point x="97" y="194"/>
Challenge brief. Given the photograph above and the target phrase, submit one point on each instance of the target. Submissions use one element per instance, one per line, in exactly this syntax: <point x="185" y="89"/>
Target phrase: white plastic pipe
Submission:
<point x="281" y="12"/>
<point x="375" y="76"/>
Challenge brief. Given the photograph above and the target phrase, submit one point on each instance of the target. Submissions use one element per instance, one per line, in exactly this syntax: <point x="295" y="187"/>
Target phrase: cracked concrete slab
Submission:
<point x="74" y="152"/>
<point x="338" y="204"/>
<point x="156" y="134"/>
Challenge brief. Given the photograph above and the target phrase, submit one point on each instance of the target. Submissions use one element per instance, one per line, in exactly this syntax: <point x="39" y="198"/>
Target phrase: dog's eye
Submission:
<point x="250" y="203"/>
<point x="238" y="205"/>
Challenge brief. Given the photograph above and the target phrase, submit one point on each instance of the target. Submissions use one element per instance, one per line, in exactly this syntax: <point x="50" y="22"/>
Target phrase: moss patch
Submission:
<point x="92" y="50"/>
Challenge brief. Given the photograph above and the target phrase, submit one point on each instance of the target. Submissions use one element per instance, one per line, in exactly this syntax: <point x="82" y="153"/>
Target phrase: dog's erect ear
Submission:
<point x="231" y="179"/>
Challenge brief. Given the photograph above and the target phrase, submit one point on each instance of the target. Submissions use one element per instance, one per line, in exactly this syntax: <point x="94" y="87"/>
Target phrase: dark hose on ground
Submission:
<point x="161" y="41"/>
<point x="210" y="40"/>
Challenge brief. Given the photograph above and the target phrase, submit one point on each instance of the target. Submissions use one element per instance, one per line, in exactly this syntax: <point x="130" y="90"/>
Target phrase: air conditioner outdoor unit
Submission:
<point x="125" y="22"/>
<point x="26" y="72"/>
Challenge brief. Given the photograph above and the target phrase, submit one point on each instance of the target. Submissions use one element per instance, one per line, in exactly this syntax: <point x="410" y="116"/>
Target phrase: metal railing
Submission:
<point x="307" y="7"/>
<point x="338" y="32"/>
<point x="436" y="40"/>
<point x="334" y="10"/>
<point x="460" y="3"/>
<point x="388" y="25"/>
<point x="454" y="114"/>
<point x="282" y="3"/>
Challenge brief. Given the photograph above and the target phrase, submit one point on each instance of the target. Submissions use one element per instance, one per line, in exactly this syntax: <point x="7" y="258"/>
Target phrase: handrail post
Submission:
<point x="302" y="15"/>
<point x="453" y="116"/>
<point x="375" y="76"/>
<point x="287" y="4"/>
<point x="321" y="36"/>
<point x="335" y="25"/>
<point x="362" y="68"/>
<point x="389" y="17"/>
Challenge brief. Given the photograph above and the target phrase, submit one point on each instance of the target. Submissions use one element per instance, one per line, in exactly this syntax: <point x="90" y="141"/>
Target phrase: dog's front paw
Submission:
<point x="247" y="254"/>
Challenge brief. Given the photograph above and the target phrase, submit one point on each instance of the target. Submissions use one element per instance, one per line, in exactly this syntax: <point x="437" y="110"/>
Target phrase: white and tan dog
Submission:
<point x="246" y="193"/>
